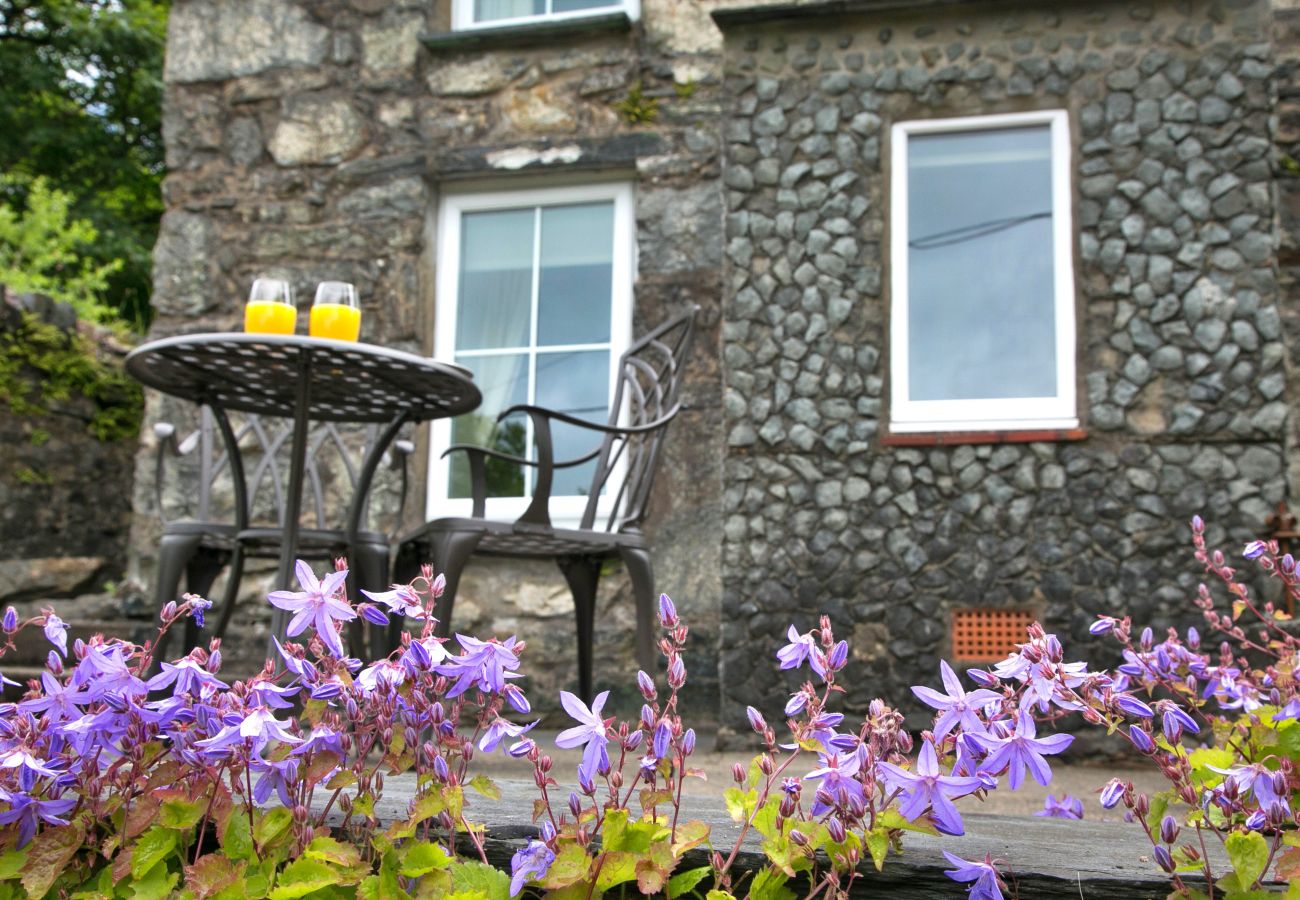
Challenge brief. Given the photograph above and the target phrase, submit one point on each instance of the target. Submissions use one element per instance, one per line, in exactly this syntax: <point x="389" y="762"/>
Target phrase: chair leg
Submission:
<point x="637" y="560"/>
<point x="583" y="575"/>
<point x="203" y="569"/>
<point x="370" y="571"/>
<point x="233" y="578"/>
<point x="451" y="551"/>
<point x="174" y="554"/>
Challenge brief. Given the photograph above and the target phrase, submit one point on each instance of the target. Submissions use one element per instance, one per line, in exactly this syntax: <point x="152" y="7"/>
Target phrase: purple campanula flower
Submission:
<point x="663" y="739"/>
<point x="1259" y="780"/>
<point x="318" y="604"/>
<point x="957" y="706"/>
<point x="688" y="742"/>
<point x="590" y="731"/>
<point x="105" y="674"/>
<point x="1103" y="625"/>
<point x="984" y="879"/>
<point x="646" y="684"/>
<point x="401" y="600"/>
<point x="530" y="863"/>
<point x="1133" y="706"/>
<point x="10" y="623"/>
<point x="1163" y="857"/>
<point x="56" y="632"/>
<point x="1169" y="829"/>
<point x="499" y="730"/>
<point x="274" y="776"/>
<point x="836" y="774"/>
<point x="1173" y="721"/>
<point x="757" y="722"/>
<point x="667" y="612"/>
<point x="29" y="767"/>
<point x="1138" y="735"/>
<point x="372" y="614"/>
<point x="188" y="676"/>
<point x="839" y="656"/>
<point x="1066" y="808"/>
<point x="1255" y="549"/>
<point x="801" y="647"/>
<point x="517" y="700"/>
<point x="482" y="664"/>
<point x="1256" y="820"/>
<point x="796" y="704"/>
<point x="520" y="749"/>
<point x="925" y="788"/>
<point x="58" y="701"/>
<point x="259" y="727"/>
<point x="983" y="678"/>
<point x="27" y="811"/>
<point x="1290" y="711"/>
<point x="386" y="672"/>
<point x="1112" y="793"/>
<point x="198" y="608"/>
<point x="1022" y="750"/>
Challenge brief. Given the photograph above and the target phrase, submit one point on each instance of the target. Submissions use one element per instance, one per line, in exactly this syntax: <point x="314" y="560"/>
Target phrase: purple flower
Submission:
<point x="59" y="701"/>
<point x="1255" y="549"/>
<point x="837" y="781"/>
<point x="530" y="863"/>
<point x="802" y="647"/>
<point x="759" y="724"/>
<point x="56" y="632"/>
<point x="1103" y="625"/>
<point x="1066" y="808"/>
<point x="985" y="883"/>
<point x="27" y="811"/>
<point x="258" y="728"/>
<point x="198" y="607"/>
<point x="926" y="788"/>
<point x="1290" y="711"/>
<point x="498" y="731"/>
<point x="317" y="604"/>
<point x="667" y="612"/>
<point x="275" y="776"/>
<point x="482" y="664"/>
<point x="1173" y="721"/>
<point x="401" y="600"/>
<point x="1133" y="706"/>
<point x="189" y="676"/>
<point x="28" y="766"/>
<point x="1112" y="793"/>
<point x="590" y="731"/>
<point x="1021" y="750"/>
<point x="10" y="623"/>
<point x="958" y="707"/>
<point x="1138" y="735"/>
<point x="1261" y="781"/>
<point x="385" y="672"/>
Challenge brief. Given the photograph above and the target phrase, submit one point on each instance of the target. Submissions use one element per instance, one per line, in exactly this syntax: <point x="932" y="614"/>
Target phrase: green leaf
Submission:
<point x="152" y="847"/>
<point x="618" y="867"/>
<point x="485" y="786"/>
<point x="684" y="883"/>
<point x="571" y="865"/>
<point x="237" y="837"/>
<point x="212" y="874"/>
<point x="719" y="895"/>
<point x="739" y="803"/>
<point x="272" y="825"/>
<point x="156" y="884"/>
<point x="180" y="814"/>
<point x="12" y="863"/>
<point x="47" y="856"/>
<point x="770" y="885"/>
<point x="690" y="834"/>
<point x="765" y="818"/>
<point x="423" y="857"/>
<point x="476" y="876"/>
<point x="303" y="876"/>
<point x="1159" y="804"/>
<point x="878" y="846"/>
<point x="1248" y="854"/>
<point x="328" y="850"/>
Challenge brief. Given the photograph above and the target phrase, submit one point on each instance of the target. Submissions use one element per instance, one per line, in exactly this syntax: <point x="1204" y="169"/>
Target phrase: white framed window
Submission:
<point x="470" y="14"/>
<point x="534" y="296"/>
<point x="982" y="319"/>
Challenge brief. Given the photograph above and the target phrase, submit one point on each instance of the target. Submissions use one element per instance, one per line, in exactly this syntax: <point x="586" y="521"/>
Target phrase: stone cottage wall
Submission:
<point x="1181" y="360"/>
<point x="311" y="140"/>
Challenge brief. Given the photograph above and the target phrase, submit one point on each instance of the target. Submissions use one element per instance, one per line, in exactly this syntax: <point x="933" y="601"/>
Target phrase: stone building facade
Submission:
<point x="320" y="139"/>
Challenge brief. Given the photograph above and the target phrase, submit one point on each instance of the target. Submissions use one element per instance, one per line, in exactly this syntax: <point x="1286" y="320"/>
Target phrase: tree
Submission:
<point x="81" y="107"/>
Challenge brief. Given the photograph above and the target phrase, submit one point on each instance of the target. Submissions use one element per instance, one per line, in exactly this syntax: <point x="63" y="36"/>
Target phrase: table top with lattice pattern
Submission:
<point x="259" y="373"/>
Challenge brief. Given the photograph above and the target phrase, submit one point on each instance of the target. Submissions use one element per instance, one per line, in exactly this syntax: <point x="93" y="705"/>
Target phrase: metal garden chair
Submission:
<point x="225" y="528"/>
<point x="627" y="457"/>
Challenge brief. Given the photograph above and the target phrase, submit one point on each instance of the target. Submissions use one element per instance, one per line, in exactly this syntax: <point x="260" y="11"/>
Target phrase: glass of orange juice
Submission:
<point x="336" y="313"/>
<point x="270" y="308"/>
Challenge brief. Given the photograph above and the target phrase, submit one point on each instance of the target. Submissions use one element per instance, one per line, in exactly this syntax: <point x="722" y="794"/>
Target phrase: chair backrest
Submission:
<point x="649" y="382"/>
<point x="252" y="490"/>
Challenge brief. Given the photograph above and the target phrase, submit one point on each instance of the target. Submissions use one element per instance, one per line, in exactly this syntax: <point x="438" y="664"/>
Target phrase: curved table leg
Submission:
<point x="293" y="500"/>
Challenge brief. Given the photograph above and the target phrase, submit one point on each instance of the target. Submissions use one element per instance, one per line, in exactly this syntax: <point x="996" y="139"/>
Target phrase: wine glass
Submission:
<point x="336" y="313"/>
<point x="270" y="308"/>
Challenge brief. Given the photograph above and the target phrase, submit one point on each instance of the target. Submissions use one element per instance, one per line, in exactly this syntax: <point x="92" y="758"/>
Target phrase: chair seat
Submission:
<point x="213" y="535"/>
<point x="311" y="541"/>
<point x="514" y="539"/>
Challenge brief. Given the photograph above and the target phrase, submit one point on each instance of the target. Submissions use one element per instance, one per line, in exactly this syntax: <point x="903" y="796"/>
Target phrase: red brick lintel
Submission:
<point x="951" y="438"/>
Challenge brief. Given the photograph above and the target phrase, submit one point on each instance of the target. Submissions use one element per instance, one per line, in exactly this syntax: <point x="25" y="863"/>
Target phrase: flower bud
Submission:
<point x="633" y="740"/>
<point x="1141" y="739"/>
<point x="676" y="672"/>
<point x="300" y="815"/>
<point x="545" y="762"/>
<point x="1163" y="858"/>
<point x="835" y="828"/>
<point x="440" y="768"/>
<point x="798" y="838"/>
<point x="647" y="717"/>
<point x="667" y="612"/>
<point x="10" y="620"/>
<point x="54" y="663"/>
<point x="1169" y="829"/>
<point x="575" y="805"/>
<point x="756" y="720"/>
<point x="796" y="704"/>
<point x="1147" y="639"/>
<point x="616" y="779"/>
<point x="168" y="611"/>
<point x="839" y="656"/>
<point x="1142" y="805"/>
<point x="688" y="742"/>
<point x="646" y="684"/>
<point x="789" y="803"/>
<point x="738" y="773"/>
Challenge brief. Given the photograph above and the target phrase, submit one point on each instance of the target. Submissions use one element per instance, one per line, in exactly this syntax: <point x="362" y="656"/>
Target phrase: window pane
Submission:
<point x="576" y="274"/>
<point x="504" y="382"/>
<point x="560" y="6"/>
<point x="578" y="384"/>
<point x="981" y="303"/>
<point x="490" y="10"/>
<point x="496" y="279"/>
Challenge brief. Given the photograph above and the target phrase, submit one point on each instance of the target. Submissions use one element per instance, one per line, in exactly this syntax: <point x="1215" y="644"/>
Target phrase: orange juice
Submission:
<point x="266" y="317"/>
<point x="335" y="320"/>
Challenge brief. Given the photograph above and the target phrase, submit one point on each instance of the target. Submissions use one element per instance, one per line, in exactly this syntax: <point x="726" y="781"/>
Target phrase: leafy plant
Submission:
<point x="636" y="108"/>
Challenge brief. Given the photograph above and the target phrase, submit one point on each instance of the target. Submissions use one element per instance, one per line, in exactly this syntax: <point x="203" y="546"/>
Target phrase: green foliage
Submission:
<point x="41" y="365"/>
<point x="81" y="105"/>
<point x="636" y="108"/>
<point x="42" y="252"/>
<point x="685" y="89"/>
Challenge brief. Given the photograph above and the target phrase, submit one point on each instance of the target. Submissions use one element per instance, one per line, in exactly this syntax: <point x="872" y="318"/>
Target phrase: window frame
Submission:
<point x="1001" y="414"/>
<point x="565" y="510"/>
<point x="462" y="15"/>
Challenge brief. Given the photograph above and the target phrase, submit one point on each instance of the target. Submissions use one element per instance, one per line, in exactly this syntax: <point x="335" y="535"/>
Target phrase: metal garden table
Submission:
<point x="305" y="379"/>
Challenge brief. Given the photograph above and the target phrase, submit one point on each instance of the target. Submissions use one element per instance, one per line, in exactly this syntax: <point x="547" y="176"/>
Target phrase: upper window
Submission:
<point x="982" y="310"/>
<point x="535" y="298"/>
<point x="491" y="13"/>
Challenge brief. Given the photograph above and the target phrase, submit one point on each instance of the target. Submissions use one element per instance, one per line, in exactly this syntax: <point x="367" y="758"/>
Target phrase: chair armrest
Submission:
<point x="539" y="412"/>
<point x="165" y="433"/>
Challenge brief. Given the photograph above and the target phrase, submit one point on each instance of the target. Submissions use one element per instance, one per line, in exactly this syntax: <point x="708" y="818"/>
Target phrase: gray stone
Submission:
<point x="212" y="40"/>
<point x="317" y="129"/>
